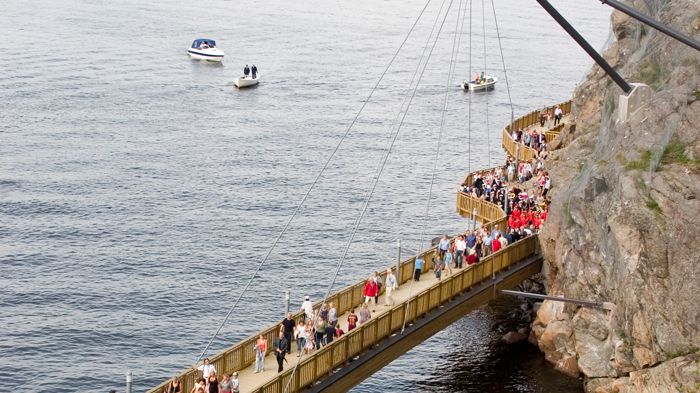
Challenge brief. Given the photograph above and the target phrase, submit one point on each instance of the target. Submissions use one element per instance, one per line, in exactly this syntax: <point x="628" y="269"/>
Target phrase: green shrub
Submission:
<point x="642" y="163"/>
<point x="653" y="205"/>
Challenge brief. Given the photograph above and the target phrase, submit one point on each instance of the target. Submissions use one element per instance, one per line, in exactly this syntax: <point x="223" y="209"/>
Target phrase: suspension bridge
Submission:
<point x="427" y="306"/>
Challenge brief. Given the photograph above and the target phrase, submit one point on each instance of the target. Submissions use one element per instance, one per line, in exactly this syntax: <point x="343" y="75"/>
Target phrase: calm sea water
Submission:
<point x="139" y="189"/>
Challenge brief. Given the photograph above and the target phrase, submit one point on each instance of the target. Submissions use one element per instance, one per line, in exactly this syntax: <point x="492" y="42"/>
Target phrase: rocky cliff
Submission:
<point x="622" y="222"/>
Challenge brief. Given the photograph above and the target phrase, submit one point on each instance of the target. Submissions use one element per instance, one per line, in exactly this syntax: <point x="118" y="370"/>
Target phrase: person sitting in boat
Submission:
<point x="246" y="71"/>
<point x="203" y="45"/>
<point x="254" y="71"/>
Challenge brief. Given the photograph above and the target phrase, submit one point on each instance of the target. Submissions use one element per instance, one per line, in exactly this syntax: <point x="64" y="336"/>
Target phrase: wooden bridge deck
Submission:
<point x="428" y="305"/>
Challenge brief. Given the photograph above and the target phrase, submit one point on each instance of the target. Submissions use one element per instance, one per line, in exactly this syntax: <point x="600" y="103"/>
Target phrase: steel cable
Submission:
<point x="313" y="184"/>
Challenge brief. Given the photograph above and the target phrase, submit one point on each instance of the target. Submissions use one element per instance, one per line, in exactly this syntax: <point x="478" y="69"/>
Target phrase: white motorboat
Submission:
<point x="483" y="82"/>
<point x="246" y="81"/>
<point x="205" y="49"/>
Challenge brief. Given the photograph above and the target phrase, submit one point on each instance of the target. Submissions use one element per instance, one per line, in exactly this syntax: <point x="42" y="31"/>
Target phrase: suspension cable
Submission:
<point x="503" y="61"/>
<point x="370" y="192"/>
<point x="313" y="184"/>
<point x="426" y="45"/>
<point x="483" y="33"/>
<point x="469" y="113"/>
<point x="405" y="319"/>
<point x="459" y="38"/>
<point x="455" y="43"/>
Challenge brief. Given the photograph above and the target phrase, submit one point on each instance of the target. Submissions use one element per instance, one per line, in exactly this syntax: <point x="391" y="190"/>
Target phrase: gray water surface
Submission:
<point x="139" y="189"/>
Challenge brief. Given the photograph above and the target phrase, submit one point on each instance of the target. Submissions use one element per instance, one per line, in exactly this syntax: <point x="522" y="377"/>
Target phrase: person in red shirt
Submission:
<point x="371" y="291"/>
<point x="352" y="320"/>
<point x="516" y="213"/>
<point x="472" y="258"/>
<point x="496" y="243"/>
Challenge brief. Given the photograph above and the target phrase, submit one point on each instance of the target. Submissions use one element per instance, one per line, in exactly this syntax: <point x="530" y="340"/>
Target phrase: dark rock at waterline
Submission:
<point x="513" y="337"/>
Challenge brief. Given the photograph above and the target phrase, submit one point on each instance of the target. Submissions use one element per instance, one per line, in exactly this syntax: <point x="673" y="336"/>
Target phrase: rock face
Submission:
<point x="621" y="228"/>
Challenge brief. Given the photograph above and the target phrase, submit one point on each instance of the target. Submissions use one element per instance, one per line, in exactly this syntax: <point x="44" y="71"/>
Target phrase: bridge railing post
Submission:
<point x="398" y="261"/>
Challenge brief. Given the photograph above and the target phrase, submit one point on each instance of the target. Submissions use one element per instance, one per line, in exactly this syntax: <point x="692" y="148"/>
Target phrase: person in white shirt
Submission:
<point x="308" y="308"/>
<point x="558" y="113"/>
<point x="460" y="246"/>
<point x="206" y="369"/>
<point x="391" y="286"/>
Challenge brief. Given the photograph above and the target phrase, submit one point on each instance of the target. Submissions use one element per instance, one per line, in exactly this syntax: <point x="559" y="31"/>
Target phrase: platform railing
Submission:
<point x="322" y="362"/>
<point x="527" y="153"/>
<point x="242" y="355"/>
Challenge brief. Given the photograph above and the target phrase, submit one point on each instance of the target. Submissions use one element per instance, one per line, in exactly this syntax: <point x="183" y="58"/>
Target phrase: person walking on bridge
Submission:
<point x="371" y="291"/>
<point x="260" y="351"/>
<point x="448" y="262"/>
<point x="418" y="269"/>
<point x="352" y="320"/>
<point x="287" y="327"/>
<point x="365" y="315"/>
<point x="320" y="331"/>
<point x="391" y="286"/>
<point x="460" y="246"/>
<point x="206" y="369"/>
<point x="235" y="383"/>
<point x="558" y="114"/>
<point x="301" y="336"/>
<point x="443" y="246"/>
<point x="378" y="280"/>
<point x="308" y="308"/>
<point x="280" y="351"/>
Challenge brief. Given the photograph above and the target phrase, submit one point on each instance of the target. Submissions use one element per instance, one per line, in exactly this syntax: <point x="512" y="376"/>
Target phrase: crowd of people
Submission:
<point x="320" y="327"/>
<point x="521" y="188"/>
<point x="209" y="382"/>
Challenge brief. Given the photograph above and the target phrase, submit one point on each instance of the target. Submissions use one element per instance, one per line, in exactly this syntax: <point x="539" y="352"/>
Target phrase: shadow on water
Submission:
<point x="469" y="356"/>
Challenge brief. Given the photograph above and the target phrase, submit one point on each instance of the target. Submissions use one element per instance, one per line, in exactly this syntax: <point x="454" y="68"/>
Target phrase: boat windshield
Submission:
<point x="203" y="43"/>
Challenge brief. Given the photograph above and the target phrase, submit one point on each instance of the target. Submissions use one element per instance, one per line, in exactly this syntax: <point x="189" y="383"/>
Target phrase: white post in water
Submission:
<point x="398" y="260"/>
<point x="286" y="303"/>
<point x="128" y="381"/>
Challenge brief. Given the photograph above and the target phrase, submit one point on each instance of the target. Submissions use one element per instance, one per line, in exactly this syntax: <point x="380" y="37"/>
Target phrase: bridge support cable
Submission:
<point x="505" y="75"/>
<point x="505" y="70"/>
<point x="459" y="38"/>
<point x="380" y="169"/>
<point x="469" y="111"/>
<point x="426" y="45"/>
<point x="483" y="33"/>
<point x="314" y="182"/>
<point x="400" y="124"/>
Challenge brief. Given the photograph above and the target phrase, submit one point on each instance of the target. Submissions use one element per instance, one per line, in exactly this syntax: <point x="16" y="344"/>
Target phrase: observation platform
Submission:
<point x="427" y="306"/>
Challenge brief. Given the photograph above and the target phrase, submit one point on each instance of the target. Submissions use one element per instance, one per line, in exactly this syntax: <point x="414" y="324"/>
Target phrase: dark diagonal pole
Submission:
<point x="586" y="46"/>
<point x="653" y="23"/>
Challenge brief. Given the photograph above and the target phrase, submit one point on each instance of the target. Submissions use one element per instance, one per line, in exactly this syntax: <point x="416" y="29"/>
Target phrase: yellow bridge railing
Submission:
<point x="527" y="153"/>
<point x="340" y="351"/>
